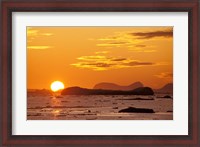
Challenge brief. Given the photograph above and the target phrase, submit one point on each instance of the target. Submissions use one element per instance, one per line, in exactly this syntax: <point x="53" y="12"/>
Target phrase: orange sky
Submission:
<point x="85" y="56"/>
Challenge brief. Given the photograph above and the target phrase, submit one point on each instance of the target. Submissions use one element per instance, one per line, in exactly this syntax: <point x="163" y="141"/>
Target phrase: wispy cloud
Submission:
<point x="118" y="59"/>
<point x="140" y="45"/>
<point x="142" y="48"/>
<point x="138" y="63"/>
<point x="46" y="34"/>
<point x="100" y="63"/>
<point x="102" y="52"/>
<point x="119" y="39"/>
<point x="132" y="40"/>
<point x="32" y="34"/>
<point x="165" y="75"/>
<point x="92" y="58"/>
<point x="39" y="47"/>
<point x="149" y="35"/>
<point x="114" y="44"/>
<point x="98" y="66"/>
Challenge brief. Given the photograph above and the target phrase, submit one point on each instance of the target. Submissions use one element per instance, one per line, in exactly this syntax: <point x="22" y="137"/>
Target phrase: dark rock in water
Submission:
<point x="84" y="91"/>
<point x="138" y="98"/>
<point x="144" y="99"/>
<point x="167" y="96"/>
<point x="169" y="111"/>
<point x="136" y="110"/>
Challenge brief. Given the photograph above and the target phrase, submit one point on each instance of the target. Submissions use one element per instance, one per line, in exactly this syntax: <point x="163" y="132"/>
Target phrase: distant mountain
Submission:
<point x="38" y="92"/>
<point x="84" y="91"/>
<point x="168" y="88"/>
<point x="112" y="86"/>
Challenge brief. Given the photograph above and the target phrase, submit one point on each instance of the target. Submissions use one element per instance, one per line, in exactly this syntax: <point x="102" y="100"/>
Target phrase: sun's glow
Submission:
<point x="57" y="85"/>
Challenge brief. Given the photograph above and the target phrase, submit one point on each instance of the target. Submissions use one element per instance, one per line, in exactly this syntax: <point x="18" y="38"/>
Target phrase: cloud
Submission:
<point x="130" y="39"/>
<point x="165" y="75"/>
<point x="33" y="32"/>
<point x="99" y="66"/>
<point x="118" y="43"/>
<point x="119" y="59"/>
<point x="46" y="34"/>
<point x="110" y="44"/>
<point x="102" y="52"/>
<point x="140" y="45"/>
<point x="100" y="63"/>
<point x="142" y="50"/>
<point x="109" y="38"/>
<point x="39" y="47"/>
<point x="149" y="35"/>
<point x="91" y="58"/>
<point x="148" y="51"/>
<point x="138" y="63"/>
<point x="119" y="39"/>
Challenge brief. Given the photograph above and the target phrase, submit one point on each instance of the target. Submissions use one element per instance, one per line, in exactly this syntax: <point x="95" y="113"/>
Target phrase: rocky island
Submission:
<point x="85" y="91"/>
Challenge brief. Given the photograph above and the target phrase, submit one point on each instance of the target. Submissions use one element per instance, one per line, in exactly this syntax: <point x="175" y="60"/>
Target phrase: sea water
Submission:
<point x="98" y="107"/>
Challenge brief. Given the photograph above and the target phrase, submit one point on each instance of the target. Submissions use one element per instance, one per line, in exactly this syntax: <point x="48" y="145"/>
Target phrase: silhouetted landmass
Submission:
<point x="168" y="88"/>
<point x="136" y="110"/>
<point x="112" y="86"/>
<point x="38" y="92"/>
<point x="84" y="91"/>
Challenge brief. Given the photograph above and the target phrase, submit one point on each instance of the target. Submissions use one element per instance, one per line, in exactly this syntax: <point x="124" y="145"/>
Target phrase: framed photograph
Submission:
<point x="100" y="73"/>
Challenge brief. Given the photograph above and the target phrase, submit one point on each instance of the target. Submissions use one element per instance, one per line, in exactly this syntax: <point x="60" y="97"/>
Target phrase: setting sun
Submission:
<point x="57" y="85"/>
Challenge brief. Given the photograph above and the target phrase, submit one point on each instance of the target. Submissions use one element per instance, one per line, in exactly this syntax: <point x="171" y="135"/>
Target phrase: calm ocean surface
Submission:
<point x="97" y="107"/>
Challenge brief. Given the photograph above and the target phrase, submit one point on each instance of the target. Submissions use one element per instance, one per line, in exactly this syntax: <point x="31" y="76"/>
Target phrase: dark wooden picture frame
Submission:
<point x="9" y="6"/>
